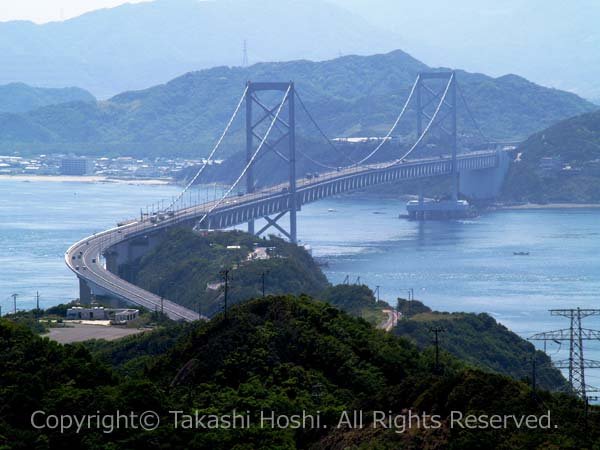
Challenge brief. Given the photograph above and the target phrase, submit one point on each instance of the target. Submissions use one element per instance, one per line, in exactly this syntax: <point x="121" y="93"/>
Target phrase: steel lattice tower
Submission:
<point x="575" y="335"/>
<point x="289" y="135"/>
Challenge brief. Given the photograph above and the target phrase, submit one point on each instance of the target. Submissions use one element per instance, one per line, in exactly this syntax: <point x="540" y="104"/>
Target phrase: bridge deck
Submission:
<point x="83" y="258"/>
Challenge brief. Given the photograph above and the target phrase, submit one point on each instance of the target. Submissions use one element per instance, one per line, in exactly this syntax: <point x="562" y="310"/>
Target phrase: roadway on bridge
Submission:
<point x="85" y="257"/>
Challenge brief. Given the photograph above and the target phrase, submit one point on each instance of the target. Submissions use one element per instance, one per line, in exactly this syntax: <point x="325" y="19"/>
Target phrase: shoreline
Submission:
<point x="86" y="179"/>
<point x="538" y="206"/>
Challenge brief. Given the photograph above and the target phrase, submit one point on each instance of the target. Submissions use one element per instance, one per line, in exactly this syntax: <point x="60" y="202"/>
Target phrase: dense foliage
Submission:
<point x="356" y="300"/>
<point x="281" y="354"/>
<point x="481" y="342"/>
<point x="348" y="96"/>
<point x="187" y="268"/>
<point x="575" y="144"/>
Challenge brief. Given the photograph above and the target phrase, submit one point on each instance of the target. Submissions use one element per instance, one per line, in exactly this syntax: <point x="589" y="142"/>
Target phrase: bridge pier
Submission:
<point x="485" y="184"/>
<point x="85" y="293"/>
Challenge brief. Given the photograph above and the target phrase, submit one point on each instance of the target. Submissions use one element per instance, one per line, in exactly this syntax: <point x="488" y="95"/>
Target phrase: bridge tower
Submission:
<point x="288" y="129"/>
<point x="449" y="105"/>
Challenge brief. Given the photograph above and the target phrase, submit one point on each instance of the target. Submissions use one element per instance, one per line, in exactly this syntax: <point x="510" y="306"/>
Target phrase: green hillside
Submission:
<point x="185" y="265"/>
<point x="279" y="355"/>
<point x="187" y="268"/>
<point x="20" y="98"/>
<point x="482" y="342"/>
<point x="573" y="172"/>
<point x="349" y="96"/>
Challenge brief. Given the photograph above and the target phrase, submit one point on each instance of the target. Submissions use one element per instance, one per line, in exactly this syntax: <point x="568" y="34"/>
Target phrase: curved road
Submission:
<point x="85" y="257"/>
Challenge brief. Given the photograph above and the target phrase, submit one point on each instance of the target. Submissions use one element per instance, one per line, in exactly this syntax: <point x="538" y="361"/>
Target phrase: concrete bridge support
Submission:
<point x="85" y="293"/>
<point x="130" y="250"/>
<point x="485" y="184"/>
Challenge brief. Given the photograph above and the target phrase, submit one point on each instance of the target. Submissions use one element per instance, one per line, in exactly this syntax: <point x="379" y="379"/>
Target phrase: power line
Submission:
<point x="575" y="335"/>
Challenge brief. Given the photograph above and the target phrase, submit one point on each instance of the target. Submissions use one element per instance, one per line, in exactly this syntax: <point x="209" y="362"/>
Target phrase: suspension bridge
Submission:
<point x="97" y="259"/>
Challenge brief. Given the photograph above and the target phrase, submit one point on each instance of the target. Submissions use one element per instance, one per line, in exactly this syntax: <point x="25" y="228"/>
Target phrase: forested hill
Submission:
<point x="20" y="98"/>
<point x="280" y="355"/>
<point x="348" y="96"/>
<point x="559" y="164"/>
<point x="479" y="340"/>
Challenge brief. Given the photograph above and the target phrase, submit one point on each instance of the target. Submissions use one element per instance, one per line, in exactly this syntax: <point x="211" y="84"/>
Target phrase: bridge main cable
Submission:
<point x="394" y="126"/>
<point x="429" y="125"/>
<point x="212" y="153"/>
<point x="252" y="159"/>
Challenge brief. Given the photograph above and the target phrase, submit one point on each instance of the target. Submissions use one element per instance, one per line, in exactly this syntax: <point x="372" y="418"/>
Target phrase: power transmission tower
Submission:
<point x="245" y="58"/>
<point x="436" y="341"/>
<point x="575" y="335"/>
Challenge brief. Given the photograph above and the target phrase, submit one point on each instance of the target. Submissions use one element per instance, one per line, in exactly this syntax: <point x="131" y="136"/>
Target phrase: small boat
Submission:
<point x="521" y="253"/>
<point x="331" y="210"/>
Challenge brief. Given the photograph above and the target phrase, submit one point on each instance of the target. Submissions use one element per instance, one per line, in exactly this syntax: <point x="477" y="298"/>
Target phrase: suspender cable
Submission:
<point x="385" y="139"/>
<point x="212" y="153"/>
<point x="320" y="130"/>
<point x="428" y="127"/>
<point x="252" y="159"/>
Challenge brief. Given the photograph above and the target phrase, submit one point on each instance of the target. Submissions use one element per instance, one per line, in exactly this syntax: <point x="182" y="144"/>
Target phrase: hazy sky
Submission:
<point x="49" y="10"/>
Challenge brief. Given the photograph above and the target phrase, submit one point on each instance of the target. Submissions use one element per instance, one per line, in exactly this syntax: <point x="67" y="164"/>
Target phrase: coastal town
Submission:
<point x="120" y="167"/>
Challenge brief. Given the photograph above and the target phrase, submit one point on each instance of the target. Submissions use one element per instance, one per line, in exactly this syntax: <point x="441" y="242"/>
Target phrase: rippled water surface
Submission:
<point x="454" y="266"/>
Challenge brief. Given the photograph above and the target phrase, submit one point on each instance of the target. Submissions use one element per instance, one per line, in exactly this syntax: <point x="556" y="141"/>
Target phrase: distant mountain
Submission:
<point x="134" y="46"/>
<point x="349" y="96"/>
<point x="19" y="97"/>
<point x="551" y="43"/>
<point x="559" y="164"/>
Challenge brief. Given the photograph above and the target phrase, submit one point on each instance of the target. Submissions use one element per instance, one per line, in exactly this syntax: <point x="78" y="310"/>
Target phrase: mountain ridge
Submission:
<point x="349" y="96"/>
<point x="21" y="97"/>
<point x="147" y="43"/>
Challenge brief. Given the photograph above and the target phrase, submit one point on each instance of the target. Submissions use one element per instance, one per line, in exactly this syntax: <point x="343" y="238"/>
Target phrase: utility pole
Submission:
<point x="575" y="335"/>
<point x="225" y="274"/>
<point x="436" y="341"/>
<point x="263" y="276"/>
<point x="14" y="296"/>
<point x="533" y="374"/>
<point x="37" y="304"/>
